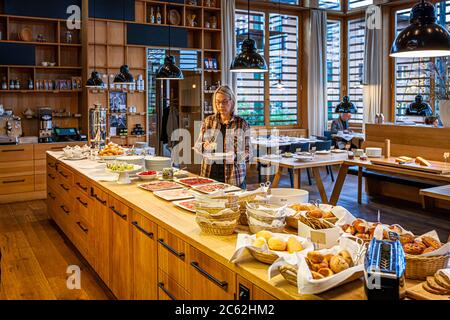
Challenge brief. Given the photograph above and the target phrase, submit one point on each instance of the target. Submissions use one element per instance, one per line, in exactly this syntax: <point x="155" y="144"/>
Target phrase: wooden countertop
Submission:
<point x="183" y="225"/>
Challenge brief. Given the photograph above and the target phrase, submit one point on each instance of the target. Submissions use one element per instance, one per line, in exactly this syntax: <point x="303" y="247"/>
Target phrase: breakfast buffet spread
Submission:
<point x="314" y="247"/>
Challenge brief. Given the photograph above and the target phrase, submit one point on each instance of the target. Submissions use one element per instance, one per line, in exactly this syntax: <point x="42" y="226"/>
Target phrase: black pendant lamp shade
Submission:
<point x="419" y="108"/>
<point x="124" y="77"/>
<point x="423" y="37"/>
<point x="346" y="106"/>
<point x="169" y="70"/>
<point x="95" y="80"/>
<point x="249" y="60"/>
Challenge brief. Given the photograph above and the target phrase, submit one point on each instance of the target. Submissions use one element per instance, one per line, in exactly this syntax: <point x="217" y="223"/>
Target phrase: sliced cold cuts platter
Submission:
<point x="197" y="181"/>
<point x="159" y="186"/>
<point x="175" y="194"/>
<point x="188" y="205"/>
<point x="213" y="187"/>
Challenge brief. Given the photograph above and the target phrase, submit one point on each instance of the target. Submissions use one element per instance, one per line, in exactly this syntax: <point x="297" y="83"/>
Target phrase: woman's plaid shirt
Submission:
<point x="237" y="141"/>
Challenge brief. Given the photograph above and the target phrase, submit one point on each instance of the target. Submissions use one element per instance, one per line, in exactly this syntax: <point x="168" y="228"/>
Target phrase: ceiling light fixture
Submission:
<point x="169" y="70"/>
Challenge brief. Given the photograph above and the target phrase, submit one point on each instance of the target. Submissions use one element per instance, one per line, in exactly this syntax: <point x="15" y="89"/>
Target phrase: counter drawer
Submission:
<point x="172" y="256"/>
<point x="40" y="167"/>
<point x="51" y="203"/>
<point x="209" y="279"/>
<point x="16" y="153"/>
<point x="51" y="165"/>
<point x="52" y="180"/>
<point x="64" y="216"/>
<point x="169" y="289"/>
<point x="84" y="206"/>
<point x="83" y="238"/>
<point x="64" y="190"/>
<point x="16" y="168"/>
<point x="17" y="184"/>
<point x="81" y="184"/>
<point x="65" y="173"/>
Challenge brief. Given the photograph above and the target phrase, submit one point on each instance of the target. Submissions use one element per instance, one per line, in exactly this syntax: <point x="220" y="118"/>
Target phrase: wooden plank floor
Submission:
<point x="35" y="256"/>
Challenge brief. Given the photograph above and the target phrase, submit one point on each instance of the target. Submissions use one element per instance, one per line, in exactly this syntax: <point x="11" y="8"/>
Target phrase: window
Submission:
<point x="333" y="65"/>
<point x="283" y="45"/>
<point x="411" y="74"/>
<point x="252" y="88"/>
<point x="356" y="34"/>
<point x="442" y="64"/>
<point x="330" y="4"/>
<point x="353" y="4"/>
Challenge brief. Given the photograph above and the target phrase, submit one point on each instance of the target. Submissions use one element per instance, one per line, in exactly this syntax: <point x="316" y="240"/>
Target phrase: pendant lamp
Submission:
<point x="95" y="81"/>
<point x="169" y="70"/>
<point x="423" y="37"/>
<point x="346" y="106"/>
<point x="249" y="60"/>
<point x="124" y="76"/>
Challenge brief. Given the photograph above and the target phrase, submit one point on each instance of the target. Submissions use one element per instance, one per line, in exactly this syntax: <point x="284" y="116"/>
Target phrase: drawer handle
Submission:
<point x="51" y="195"/>
<point x="56" y="148"/>
<point x="148" y="234"/>
<point x="103" y="202"/>
<point x="123" y="216"/>
<point x="51" y="165"/>
<point x="85" y="204"/>
<point x="51" y="176"/>
<point x="65" y="210"/>
<point x="64" y="187"/>
<point x="172" y="250"/>
<point x="84" y="229"/>
<point x="15" y="150"/>
<point x="222" y="284"/>
<point x="14" y="181"/>
<point x="63" y="174"/>
<point x="163" y="288"/>
<point x="82" y="187"/>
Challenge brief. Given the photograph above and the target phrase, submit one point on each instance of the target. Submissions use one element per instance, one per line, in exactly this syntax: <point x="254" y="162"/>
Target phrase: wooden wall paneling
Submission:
<point x="136" y="57"/>
<point x="40" y="182"/>
<point x="100" y="55"/>
<point x="116" y="56"/>
<point x="69" y="56"/>
<point x="48" y="28"/>
<point x="100" y="31"/>
<point x="16" y="168"/>
<point x="140" y="9"/>
<point x="116" y="33"/>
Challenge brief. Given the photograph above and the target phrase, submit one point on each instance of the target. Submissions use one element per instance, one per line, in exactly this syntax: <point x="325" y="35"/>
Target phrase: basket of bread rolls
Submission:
<point x="319" y="271"/>
<point x="312" y="212"/>
<point x="361" y="229"/>
<point x="267" y="247"/>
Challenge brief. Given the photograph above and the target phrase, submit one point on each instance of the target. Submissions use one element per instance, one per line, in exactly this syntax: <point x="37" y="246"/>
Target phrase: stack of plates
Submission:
<point x="157" y="163"/>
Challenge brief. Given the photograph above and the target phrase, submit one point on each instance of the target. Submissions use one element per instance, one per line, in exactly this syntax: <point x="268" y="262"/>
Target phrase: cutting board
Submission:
<point x="419" y="293"/>
<point x="436" y="167"/>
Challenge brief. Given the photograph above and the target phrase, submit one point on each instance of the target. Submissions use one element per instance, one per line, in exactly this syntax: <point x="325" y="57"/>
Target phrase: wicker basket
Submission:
<point x="419" y="268"/>
<point x="216" y="229"/>
<point x="243" y="209"/>
<point x="292" y="222"/>
<point x="230" y="215"/>
<point x="263" y="257"/>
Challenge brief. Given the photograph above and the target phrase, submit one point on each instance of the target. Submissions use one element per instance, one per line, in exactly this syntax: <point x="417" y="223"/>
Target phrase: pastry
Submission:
<point x="363" y="236"/>
<point x="347" y="256"/>
<point x="372" y="231"/>
<point x="264" y="234"/>
<point x="328" y="257"/>
<point x="338" y="264"/>
<point x="421" y="161"/>
<point x="328" y="215"/>
<point x="360" y="226"/>
<point x="426" y="287"/>
<point x="403" y="159"/>
<point x="428" y="250"/>
<point x="316" y="213"/>
<point x="440" y="280"/>
<point x="431" y="242"/>
<point x="277" y="244"/>
<point x="259" y="242"/>
<point x="435" y="286"/>
<point x="326" y="272"/>
<point x="413" y="248"/>
<point x="406" y="238"/>
<point x="316" y="275"/>
<point x="303" y="207"/>
<point x="351" y="230"/>
<point x="315" y="267"/>
<point x="294" y="245"/>
<point x="420" y="244"/>
<point x="345" y="227"/>
<point x="396" y="229"/>
<point x="315" y="257"/>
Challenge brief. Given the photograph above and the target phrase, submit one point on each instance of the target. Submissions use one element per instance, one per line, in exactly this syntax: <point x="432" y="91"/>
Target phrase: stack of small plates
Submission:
<point x="157" y="163"/>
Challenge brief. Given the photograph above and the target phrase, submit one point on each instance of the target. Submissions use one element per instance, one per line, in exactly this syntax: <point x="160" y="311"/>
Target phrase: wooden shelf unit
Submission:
<point x="68" y="63"/>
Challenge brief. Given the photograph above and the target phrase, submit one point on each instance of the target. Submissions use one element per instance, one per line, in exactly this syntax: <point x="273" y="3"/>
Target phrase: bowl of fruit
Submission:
<point x="148" y="175"/>
<point x="123" y="169"/>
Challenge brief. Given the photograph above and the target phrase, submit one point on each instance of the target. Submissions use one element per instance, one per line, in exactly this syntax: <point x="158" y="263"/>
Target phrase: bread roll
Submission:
<point x="315" y="257"/>
<point x="316" y="275"/>
<point x="277" y="244"/>
<point x="326" y="272"/>
<point x="360" y="226"/>
<point x="338" y="264"/>
<point x="347" y="256"/>
<point x="259" y="242"/>
<point x="294" y="245"/>
<point x="264" y="234"/>
<point x="316" y="213"/>
<point x="328" y="257"/>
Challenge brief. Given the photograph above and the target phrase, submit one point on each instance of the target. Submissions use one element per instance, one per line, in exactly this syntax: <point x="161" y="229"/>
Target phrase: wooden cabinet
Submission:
<point x="84" y="206"/>
<point x="172" y="257"/>
<point x="144" y="257"/>
<point x="102" y="233"/>
<point x="81" y="184"/>
<point x="16" y="153"/>
<point x="209" y="279"/>
<point x="169" y="289"/>
<point x="246" y="290"/>
<point x="120" y="251"/>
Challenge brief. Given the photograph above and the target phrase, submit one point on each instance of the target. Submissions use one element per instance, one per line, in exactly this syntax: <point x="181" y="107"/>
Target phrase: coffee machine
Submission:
<point x="10" y="129"/>
<point x="45" y="125"/>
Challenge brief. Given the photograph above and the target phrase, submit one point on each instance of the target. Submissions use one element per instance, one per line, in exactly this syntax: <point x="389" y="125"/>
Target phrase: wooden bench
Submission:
<point x="430" y="195"/>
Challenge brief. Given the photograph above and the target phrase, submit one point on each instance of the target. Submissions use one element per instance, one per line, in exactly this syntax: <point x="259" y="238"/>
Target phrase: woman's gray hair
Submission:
<point x="227" y="91"/>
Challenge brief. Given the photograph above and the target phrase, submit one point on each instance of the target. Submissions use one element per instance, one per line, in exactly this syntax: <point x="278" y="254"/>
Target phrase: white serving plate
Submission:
<point x="323" y="152"/>
<point x="229" y="188"/>
<point x="179" y="205"/>
<point x="180" y="181"/>
<point x="338" y="151"/>
<point x="303" y="158"/>
<point x="171" y="195"/>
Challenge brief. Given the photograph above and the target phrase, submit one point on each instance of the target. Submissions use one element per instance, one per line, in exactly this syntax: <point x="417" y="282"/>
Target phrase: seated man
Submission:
<point x="345" y="109"/>
<point x="341" y="123"/>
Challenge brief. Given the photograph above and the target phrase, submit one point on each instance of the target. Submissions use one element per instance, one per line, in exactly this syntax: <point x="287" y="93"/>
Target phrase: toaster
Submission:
<point x="384" y="270"/>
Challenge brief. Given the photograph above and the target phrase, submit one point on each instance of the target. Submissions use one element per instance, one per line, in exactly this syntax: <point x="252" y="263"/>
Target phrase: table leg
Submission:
<point x="297" y="174"/>
<point x="360" y="176"/>
<point x="319" y="183"/>
<point x="339" y="184"/>
<point x="276" y="179"/>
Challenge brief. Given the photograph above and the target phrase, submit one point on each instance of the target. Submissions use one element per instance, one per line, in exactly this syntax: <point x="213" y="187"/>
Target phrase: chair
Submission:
<point x="325" y="145"/>
<point x="304" y="147"/>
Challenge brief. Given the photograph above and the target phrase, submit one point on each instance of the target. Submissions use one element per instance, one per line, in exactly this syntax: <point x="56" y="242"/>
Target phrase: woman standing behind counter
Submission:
<point x="225" y="132"/>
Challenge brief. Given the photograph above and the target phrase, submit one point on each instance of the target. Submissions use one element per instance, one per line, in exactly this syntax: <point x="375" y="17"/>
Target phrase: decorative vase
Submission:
<point x="444" y="112"/>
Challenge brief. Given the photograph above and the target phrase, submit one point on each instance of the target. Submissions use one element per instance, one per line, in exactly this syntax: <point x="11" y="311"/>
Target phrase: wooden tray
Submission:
<point x="419" y="293"/>
<point x="436" y="167"/>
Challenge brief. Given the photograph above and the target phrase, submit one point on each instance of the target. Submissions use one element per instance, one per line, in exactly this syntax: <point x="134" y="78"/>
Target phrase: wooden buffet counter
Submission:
<point x="146" y="248"/>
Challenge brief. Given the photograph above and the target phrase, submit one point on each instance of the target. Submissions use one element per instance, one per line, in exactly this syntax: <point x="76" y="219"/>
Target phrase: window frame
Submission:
<point x="302" y="119"/>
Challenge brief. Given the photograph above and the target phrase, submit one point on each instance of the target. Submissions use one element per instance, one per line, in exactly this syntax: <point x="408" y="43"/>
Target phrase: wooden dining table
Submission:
<point x="319" y="161"/>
